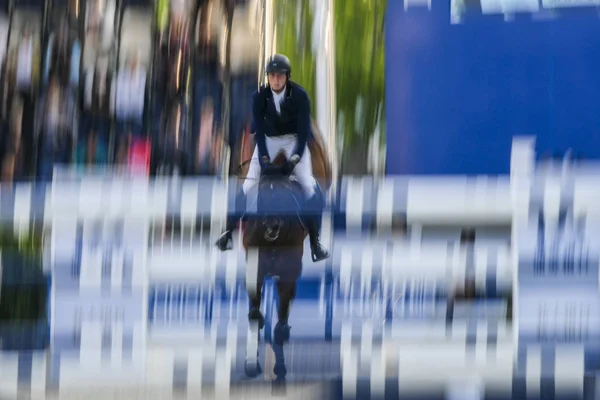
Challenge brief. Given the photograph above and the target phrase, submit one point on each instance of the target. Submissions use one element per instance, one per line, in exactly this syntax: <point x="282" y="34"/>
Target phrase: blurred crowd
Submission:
<point x="128" y="86"/>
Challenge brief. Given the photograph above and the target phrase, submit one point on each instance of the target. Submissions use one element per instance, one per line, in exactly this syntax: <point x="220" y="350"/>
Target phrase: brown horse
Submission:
<point x="274" y="241"/>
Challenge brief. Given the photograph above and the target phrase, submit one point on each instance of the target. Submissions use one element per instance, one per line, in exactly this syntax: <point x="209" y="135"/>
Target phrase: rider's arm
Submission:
<point x="258" y="116"/>
<point x="303" y="123"/>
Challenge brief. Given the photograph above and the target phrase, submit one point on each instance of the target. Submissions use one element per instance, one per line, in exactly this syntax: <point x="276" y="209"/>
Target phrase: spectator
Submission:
<point x="245" y="40"/>
<point x="92" y="149"/>
<point x="97" y="90"/>
<point x="100" y="24"/>
<point x="4" y="29"/>
<point x="177" y="9"/>
<point x="57" y="124"/>
<point x="14" y="151"/>
<point x="174" y="145"/>
<point x="8" y="82"/>
<point x="74" y="11"/>
<point x="179" y="33"/>
<point x="63" y="55"/>
<point x="204" y="163"/>
<point x="95" y="16"/>
<point x="208" y="71"/>
<point x="8" y="168"/>
<point x="25" y="61"/>
<point x="178" y="54"/>
<point x="133" y="154"/>
<point x="130" y="89"/>
<point x="123" y="150"/>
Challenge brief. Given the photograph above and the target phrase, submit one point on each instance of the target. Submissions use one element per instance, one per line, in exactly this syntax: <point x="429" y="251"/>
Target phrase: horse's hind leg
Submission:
<point x="287" y="293"/>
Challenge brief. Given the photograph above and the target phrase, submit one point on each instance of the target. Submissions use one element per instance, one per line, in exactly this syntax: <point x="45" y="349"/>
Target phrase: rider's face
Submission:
<point x="277" y="81"/>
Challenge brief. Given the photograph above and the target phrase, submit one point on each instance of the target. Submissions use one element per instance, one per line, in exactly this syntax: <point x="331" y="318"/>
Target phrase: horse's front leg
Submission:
<point x="287" y="293"/>
<point x="255" y="297"/>
<point x="256" y="322"/>
<point x="254" y="284"/>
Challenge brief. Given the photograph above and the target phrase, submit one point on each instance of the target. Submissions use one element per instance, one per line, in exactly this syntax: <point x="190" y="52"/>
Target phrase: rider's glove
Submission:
<point x="264" y="161"/>
<point x="288" y="168"/>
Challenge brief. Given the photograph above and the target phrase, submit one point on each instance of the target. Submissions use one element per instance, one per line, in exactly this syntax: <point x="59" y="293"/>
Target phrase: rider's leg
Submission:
<point x="225" y="241"/>
<point x="314" y="205"/>
<point x="314" y="208"/>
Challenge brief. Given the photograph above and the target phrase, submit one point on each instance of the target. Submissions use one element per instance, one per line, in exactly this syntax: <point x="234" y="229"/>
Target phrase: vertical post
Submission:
<point x="269" y="33"/>
<point x="324" y="49"/>
<point x="227" y="86"/>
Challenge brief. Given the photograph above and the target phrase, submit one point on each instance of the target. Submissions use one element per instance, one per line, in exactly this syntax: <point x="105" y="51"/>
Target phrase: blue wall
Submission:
<point x="457" y="94"/>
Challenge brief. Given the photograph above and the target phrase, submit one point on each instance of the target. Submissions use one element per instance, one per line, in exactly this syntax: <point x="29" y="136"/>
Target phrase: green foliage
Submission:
<point x="360" y="67"/>
<point x="23" y="303"/>
<point x="359" y="59"/>
<point x="295" y="41"/>
<point x="24" y="297"/>
<point x="29" y="245"/>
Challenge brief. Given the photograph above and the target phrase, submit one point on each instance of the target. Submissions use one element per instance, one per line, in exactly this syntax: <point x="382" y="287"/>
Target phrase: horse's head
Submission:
<point x="277" y="199"/>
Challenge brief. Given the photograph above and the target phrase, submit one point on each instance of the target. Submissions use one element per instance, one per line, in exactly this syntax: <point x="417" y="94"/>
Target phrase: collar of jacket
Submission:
<point x="288" y="91"/>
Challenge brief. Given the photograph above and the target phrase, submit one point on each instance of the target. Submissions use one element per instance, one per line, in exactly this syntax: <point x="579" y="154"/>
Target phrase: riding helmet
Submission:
<point x="279" y="63"/>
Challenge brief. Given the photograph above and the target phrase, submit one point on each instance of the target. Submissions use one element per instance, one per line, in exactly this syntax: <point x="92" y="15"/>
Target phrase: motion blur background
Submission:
<point x="462" y="219"/>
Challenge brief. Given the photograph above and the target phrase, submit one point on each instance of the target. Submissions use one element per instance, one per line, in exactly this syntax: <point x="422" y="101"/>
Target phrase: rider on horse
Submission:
<point x="281" y="116"/>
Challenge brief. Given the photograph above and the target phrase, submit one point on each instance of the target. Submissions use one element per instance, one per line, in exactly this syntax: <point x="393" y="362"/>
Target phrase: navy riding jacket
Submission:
<point x="294" y="117"/>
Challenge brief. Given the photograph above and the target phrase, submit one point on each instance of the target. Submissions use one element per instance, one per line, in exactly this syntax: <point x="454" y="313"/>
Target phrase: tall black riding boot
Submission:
<point x="312" y="221"/>
<point x="225" y="241"/>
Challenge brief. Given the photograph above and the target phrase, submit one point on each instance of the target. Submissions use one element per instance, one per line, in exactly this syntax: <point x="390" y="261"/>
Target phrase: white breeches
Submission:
<point x="302" y="172"/>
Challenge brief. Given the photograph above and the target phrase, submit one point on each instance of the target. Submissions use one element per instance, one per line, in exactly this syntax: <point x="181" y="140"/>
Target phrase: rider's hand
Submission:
<point x="265" y="160"/>
<point x="289" y="166"/>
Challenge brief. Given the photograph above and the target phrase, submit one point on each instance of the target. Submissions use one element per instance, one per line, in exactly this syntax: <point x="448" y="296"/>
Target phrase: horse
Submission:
<point x="273" y="238"/>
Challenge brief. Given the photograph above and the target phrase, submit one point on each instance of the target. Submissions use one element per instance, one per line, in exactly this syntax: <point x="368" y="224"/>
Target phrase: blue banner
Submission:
<point x="458" y="89"/>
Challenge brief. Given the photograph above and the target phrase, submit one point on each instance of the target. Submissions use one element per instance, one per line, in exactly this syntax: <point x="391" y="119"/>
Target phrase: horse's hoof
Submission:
<point x="279" y="387"/>
<point x="252" y="369"/>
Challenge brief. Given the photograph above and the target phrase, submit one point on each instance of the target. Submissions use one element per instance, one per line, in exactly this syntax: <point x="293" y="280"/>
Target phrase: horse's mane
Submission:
<point x="280" y="158"/>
